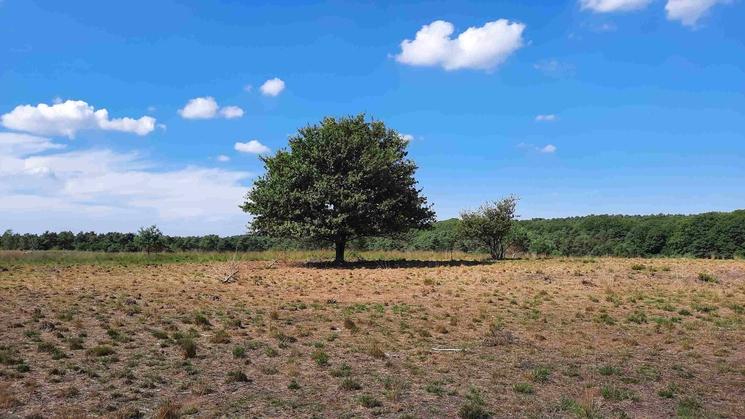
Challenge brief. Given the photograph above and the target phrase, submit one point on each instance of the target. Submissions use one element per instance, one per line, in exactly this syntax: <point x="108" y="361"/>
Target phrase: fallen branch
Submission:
<point x="447" y="350"/>
<point x="230" y="277"/>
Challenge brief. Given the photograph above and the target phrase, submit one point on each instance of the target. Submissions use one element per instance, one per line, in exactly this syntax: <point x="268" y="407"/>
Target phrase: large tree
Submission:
<point x="341" y="179"/>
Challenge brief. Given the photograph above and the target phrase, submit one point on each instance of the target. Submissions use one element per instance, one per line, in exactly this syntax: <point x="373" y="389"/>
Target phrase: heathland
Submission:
<point x="162" y="335"/>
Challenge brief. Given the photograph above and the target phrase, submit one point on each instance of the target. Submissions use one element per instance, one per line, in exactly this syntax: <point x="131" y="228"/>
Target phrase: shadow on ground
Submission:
<point x="392" y="264"/>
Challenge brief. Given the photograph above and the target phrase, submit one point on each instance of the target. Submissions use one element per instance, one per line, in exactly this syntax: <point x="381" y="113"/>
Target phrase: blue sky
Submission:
<point x="578" y="107"/>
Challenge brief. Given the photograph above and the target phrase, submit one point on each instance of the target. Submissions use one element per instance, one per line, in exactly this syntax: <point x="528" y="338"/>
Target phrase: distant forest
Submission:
<point x="709" y="235"/>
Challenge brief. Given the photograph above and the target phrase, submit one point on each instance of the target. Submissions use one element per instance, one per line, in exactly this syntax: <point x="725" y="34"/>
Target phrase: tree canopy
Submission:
<point x="339" y="180"/>
<point x="490" y="225"/>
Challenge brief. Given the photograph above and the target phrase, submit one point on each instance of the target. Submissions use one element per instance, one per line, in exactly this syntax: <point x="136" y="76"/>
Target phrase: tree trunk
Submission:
<point x="340" y="244"/>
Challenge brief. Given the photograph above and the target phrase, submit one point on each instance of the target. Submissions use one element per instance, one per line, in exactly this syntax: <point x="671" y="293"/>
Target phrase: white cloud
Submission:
<point x="69" y="117"/>
<point x="407" y="137"/>
<point x="253" y="147"/>
<point x="248" y="88"/>
<point x="688" y="12"/>
<point x="272" y="87"/>
<point x="19" y="145"/>
<point x="480" y="48"/>
<point x="207" y="108"/>
<point x="546" y="118"/>
<point x="548" y="149"/>
<point x="610" y="6"/>
<point x="223" y="158"/>
<point x="108" y="191"/>
<point x="230" y="112"/>
<point x="199" y="108"/>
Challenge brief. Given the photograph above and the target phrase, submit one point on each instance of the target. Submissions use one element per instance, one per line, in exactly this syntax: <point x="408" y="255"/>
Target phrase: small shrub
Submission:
<point x="523" y="388"/>
<point x="689" y="408"/>
<point x="201" y="320"/>
<point x="617" y="394"/>
<point x="637" y="317"/>
<point x="474" y="407"/>
<point x="375" y="351"/>
<point x="188" y="347"/>
<point x="369" y="401"/>
<point x="167" y="410"/>
<point x="237" y="377"/>
<point x="606" y="318"/>
<point x="101" y="350"/>
<point x="668" y="392"/>
<point x="435" y="388"/>
<point x="159" y="334"/>
<point x="344" y="370"/>
<point x="76" y="343"/>
<point x="9" y="357"/>
<point x="608" y="370"/>
<point x="239" y="352"/>
<point x="52" y="349"/>
<point x="321" y="358"/>
<point x="541" y="374"/>
<point x="293" y="385"/>
<point x="586" y="410"/>
<point x="707" y="277"/>
<point x="350" y="384"/>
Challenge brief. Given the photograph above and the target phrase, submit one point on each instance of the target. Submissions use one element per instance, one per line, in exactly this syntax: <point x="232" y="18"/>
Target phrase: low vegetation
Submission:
<point x="582" y="337"/>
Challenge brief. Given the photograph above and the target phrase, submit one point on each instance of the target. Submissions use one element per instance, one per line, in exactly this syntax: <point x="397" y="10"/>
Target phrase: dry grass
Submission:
<point x="561" y="337"/>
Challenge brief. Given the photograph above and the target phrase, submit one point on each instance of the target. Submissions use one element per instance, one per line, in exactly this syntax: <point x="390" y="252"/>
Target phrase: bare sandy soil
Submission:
<point x="538" y="338"/>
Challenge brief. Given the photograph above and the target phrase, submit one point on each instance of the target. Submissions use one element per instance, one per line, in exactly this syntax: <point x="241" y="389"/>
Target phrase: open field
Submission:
<point x="597" y="337"/>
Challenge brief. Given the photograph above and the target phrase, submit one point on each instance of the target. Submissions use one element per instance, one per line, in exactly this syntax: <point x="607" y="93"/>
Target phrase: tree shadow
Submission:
<point x="394" y="264"/>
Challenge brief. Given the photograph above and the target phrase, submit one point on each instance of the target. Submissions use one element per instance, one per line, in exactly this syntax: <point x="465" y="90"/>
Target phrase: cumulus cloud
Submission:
<point x="207" y="108"/>
<point x="610" y="6"/>
<point x="223" y="158"/>
<point x="688" y="12"/>
<point x="548" y="149"/>
<point x="479" y="48"/>
<point x="407" y="137"/>
<point x="230" y="112"/>
<point x="106" y="190"/>
<point x="68" y="117"/>
<point x="272" y="87"/>
<point x="253" y="147"/>
<point x="546" y="118"/>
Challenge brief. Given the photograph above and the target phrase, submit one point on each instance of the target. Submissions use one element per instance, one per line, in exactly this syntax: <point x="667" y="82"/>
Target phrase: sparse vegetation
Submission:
<point x="368" y="340"/>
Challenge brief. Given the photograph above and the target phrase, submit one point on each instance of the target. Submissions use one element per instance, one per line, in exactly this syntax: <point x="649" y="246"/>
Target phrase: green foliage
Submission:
<point x="490" y="225"/>
<point x="341" y="179"/>
<point x="720" y="235"/>
<point x="474" y="407"/>
<point x="707" y="277"/>
<point x="149" y="239"/>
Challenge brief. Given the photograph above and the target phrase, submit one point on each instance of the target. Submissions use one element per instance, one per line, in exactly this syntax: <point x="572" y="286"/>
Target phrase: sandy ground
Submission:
<point x="525" y="338"/>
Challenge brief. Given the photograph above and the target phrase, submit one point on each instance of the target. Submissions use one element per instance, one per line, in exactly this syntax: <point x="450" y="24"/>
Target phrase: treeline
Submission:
<point x="719" y="235"/>
<point x="127" y="242"/>
<point x="709" y="235"/>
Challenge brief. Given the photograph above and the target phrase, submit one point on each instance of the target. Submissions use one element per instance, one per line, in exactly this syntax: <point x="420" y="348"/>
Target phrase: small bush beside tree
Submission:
<point x="490" y="225"/>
